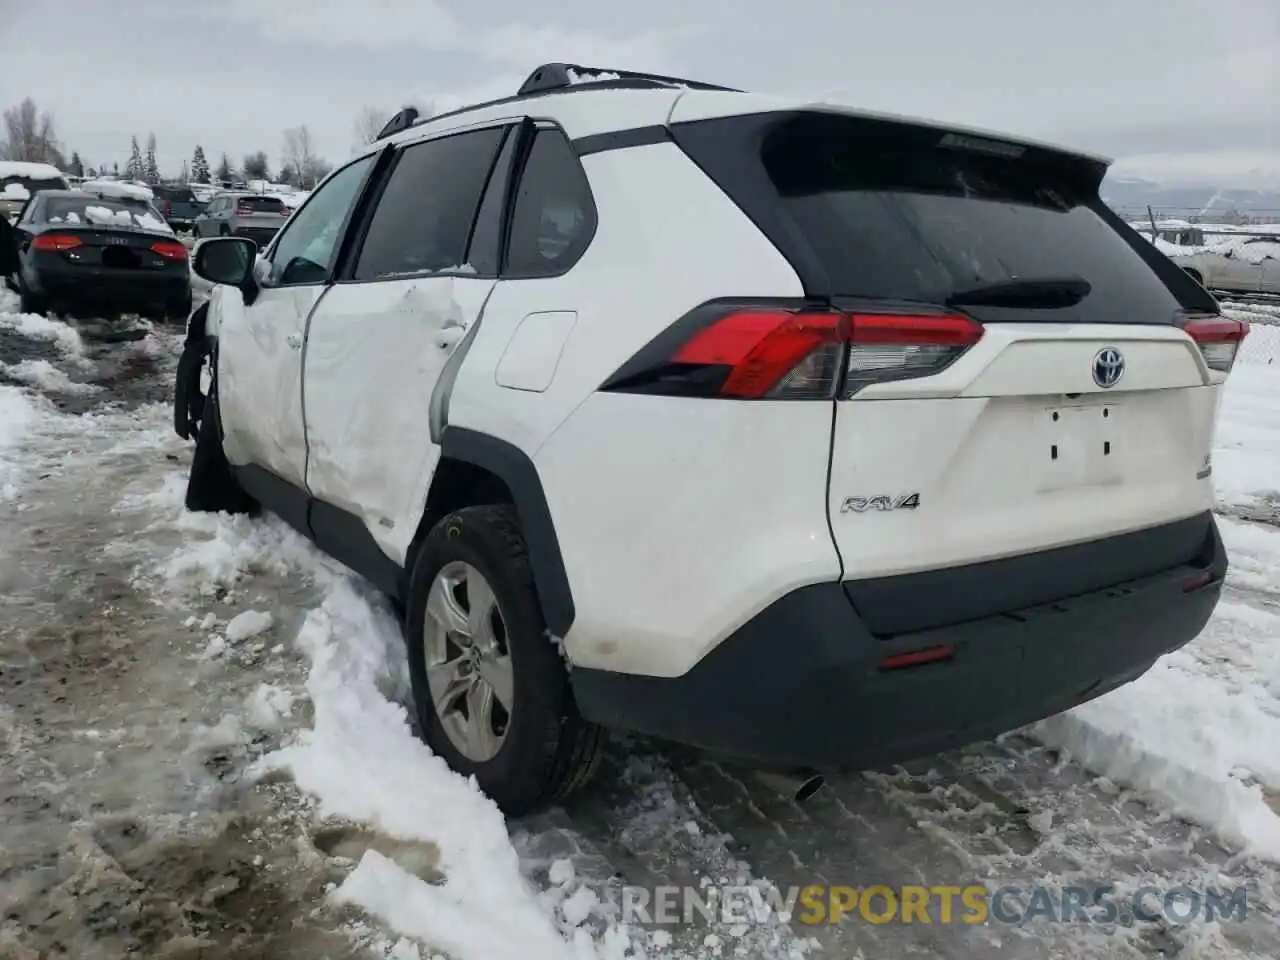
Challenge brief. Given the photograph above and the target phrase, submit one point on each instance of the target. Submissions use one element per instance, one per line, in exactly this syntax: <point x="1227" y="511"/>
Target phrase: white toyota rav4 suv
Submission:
<point x="803" y="435"/>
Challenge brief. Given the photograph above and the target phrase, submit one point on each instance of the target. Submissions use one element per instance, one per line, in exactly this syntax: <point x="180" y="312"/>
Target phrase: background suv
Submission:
<point x="255" y="216"/>
<point x="808" y="436"/>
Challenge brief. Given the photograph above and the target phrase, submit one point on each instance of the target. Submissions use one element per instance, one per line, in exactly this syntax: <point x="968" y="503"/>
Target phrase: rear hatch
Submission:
<point x="110" y="235"/>
<point x="260" y="213"/>
<point x="1020" y="372"/>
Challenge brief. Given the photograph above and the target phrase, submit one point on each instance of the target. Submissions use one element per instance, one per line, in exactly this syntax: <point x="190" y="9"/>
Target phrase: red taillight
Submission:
<point x="1219" y="340"/>
<point x="170" y="249"/>
<point x="762" y="349"/>
<point x="243" y="211"/>
<point x="168" y="208"/>
<point x="1197" y="582"/>
<point x="56" y="241"/>
<point x="755" y="353"/>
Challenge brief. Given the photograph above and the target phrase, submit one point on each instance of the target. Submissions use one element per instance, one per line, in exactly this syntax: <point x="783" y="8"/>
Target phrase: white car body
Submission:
<point x="676" y="539"/>
<point x="1245" y="264"/>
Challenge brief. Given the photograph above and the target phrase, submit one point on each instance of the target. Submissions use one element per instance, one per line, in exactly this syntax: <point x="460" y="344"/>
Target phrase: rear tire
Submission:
<point x="545" y="749"/>
<point x="211" y="486"/>
<point x="29" y="302"/>
<point x="178" y="310"/>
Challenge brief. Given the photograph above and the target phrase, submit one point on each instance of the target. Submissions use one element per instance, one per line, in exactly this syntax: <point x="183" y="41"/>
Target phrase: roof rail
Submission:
<point x="403" y="120"/>
<point x="554" y="76"/>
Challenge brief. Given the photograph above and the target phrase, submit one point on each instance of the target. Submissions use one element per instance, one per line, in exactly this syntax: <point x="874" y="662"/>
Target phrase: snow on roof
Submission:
<point x="116" y="188"/>
<point x="32" y="171"/>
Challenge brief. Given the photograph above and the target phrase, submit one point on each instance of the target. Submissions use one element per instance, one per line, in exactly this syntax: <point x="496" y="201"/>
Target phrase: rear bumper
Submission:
<point x="259" y="235"/>
<point x="121" y="288"/>
<point x="799" y="684"/>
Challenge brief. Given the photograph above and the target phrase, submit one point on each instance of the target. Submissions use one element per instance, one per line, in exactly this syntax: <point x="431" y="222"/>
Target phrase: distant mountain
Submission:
<point x="1131" y="195"/>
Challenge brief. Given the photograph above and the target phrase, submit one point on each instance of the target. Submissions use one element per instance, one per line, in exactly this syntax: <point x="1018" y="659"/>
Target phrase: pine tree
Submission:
<point x="150" y="169"/>
<point x="199" y="166"/>
<point x="134" y="169"/>
<point x="115" y="168"/>
<point x="224" y="172"/>
<point x="76" y="167"/>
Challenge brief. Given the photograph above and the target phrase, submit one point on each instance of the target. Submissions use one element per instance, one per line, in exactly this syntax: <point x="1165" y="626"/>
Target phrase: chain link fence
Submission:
<point x="1262" y="345"/>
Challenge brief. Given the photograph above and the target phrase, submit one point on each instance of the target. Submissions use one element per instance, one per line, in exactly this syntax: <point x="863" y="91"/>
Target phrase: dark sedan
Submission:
<point x="99" y="255"/>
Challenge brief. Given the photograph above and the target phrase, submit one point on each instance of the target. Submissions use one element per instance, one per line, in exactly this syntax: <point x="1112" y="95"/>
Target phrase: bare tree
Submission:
<point x="368" y="123"/>
<point x="301" y="159"/>
<point x="29" y="135"/>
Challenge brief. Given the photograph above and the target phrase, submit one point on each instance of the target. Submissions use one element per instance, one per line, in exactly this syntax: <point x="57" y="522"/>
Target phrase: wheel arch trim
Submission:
<point x="515" y="468"/>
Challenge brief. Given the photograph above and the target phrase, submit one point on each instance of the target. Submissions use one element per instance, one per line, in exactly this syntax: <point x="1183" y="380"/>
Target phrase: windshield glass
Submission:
<point x="91" y="211"/>
<point x="28" y="185"/>
<point x="892" y="213"/>
<point x="261" y="204"/>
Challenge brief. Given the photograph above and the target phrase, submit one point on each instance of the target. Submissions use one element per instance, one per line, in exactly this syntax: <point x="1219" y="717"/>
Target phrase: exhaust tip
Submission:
<point x="797" y="787"/>
<point x="809" y="787"/>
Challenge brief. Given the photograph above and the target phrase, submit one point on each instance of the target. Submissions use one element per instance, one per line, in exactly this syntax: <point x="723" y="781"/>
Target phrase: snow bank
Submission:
<point x="18" y="417"/>
<point x="1200" y="732"/>
<point x="364" y="763"/>
<point x="15" y="191"/>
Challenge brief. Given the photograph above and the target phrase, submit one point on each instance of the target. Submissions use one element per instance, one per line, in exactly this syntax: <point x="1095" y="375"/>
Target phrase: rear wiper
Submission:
<point x="1046" y="292"/>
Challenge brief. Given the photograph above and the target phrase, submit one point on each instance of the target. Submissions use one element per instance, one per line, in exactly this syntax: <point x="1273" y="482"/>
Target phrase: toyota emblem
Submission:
<point x="1108" y="367"/>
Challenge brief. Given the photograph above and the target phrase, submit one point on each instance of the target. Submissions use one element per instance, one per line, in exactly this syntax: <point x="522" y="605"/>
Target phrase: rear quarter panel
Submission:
<point x="677" y="519"/>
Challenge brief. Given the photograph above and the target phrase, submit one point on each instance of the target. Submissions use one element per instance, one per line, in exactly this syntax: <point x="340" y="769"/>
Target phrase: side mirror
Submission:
<point x="230" y="261"/>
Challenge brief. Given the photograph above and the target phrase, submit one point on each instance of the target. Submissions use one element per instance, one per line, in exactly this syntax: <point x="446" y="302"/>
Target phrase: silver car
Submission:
<point x="256" y="216"/>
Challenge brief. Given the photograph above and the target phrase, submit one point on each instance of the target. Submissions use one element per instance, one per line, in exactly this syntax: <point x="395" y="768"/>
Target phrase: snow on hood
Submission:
<point x="31" y="171"/>
<point x="116" y="188"/>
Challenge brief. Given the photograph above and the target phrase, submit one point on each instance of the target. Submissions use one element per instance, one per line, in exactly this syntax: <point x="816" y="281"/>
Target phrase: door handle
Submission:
<point x="294" y="340"/>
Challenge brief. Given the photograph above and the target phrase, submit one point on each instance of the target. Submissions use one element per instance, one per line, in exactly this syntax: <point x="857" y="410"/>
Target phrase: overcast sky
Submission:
<point x="1174" y="89"/>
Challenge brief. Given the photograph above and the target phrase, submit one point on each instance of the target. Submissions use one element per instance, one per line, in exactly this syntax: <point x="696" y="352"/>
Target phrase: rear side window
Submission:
<point x="423" y="220"/>
<point x="554" y="217"/>
<point x="484" y="253"/>
<point x="891" y="213"/>
<point x="261" y="204"/>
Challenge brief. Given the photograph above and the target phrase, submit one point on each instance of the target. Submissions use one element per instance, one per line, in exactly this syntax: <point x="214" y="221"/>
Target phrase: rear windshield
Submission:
<point x="261" y="204"/>
<point x="174" y="194"/>
<point x="102" y="212"/>
<point x="31" y="184"/>
<point x="892" y="214"/>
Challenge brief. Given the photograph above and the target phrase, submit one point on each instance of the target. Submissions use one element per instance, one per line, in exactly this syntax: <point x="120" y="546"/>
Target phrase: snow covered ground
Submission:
<point x="209" y="753"/>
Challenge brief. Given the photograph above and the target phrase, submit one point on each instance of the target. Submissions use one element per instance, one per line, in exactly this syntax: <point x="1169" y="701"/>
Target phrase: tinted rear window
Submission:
<point x="174" y="194"/>
<point x="891" y="214"/>
<point x="261" y="204"/>
<point x="32" y="184"/>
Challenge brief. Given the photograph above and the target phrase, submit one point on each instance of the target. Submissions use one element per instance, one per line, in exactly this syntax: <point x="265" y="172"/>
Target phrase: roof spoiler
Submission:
<point x="555" y="76"/>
